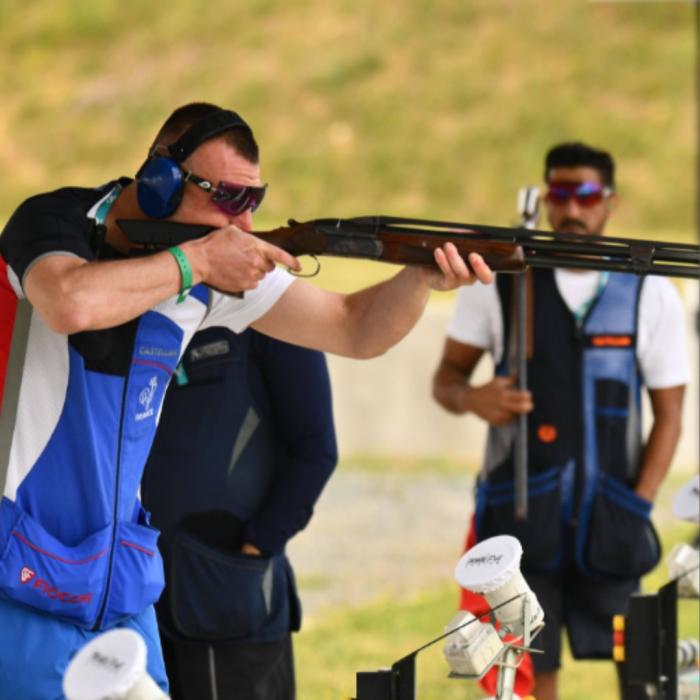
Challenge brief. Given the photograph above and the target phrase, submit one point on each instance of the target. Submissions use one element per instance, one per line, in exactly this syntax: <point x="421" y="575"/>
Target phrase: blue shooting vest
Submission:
<point x="584" y="438"/>
<point x="75" y="431"/>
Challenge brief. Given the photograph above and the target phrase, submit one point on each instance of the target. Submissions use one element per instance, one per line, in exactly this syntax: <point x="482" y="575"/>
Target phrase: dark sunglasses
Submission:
<point x="230" y="198"/>
<point x="586" y="194"/>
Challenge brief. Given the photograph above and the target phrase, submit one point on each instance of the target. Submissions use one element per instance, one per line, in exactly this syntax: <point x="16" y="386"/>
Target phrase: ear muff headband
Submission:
<point x="203" y="130"/>
<point x="159" y="181"/>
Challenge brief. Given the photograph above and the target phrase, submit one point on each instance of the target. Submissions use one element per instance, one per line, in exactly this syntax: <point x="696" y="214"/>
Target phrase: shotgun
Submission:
<point x="412" y="242"/>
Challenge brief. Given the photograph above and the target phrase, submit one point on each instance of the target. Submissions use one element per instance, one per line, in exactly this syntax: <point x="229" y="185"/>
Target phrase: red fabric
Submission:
<point x="8" y="309"/>
<point x="477" y="605"/>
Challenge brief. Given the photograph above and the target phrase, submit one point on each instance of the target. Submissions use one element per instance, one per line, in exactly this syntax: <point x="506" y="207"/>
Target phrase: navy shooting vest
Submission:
<point x="584" y="438"/>
<point x="214" y="459"/>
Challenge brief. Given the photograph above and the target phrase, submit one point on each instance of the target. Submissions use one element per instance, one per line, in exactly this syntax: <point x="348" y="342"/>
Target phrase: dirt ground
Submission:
<point x="375" y="535"/>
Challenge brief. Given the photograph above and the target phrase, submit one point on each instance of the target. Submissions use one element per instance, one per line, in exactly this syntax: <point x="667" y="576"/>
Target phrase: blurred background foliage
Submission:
<point x="430" y="108"/>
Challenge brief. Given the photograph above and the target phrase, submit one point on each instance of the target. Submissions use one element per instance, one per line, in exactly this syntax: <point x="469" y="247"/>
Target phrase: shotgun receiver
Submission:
<point x="412" y="242"/>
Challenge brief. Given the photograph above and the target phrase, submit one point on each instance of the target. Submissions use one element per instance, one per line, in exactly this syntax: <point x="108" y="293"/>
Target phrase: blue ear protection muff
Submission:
<point x="160" y="181"/>
<point x="159" y="186"/>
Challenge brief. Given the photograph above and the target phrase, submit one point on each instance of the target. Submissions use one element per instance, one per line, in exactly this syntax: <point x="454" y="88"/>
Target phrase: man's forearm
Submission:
<point x="451" y="381"/>
<point x="662" y="441"/>
<point x="77" y="296"/>
<point x="380" y="316"/>
<point x="658" y="454"/>
<point x="74" y="295"/>
<point x="451" y="396"/>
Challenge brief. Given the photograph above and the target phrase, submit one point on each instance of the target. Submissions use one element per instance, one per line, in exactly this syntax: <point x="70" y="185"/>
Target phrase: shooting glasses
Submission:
<point x="586" y="194"/>
<point x="230" y="198"/>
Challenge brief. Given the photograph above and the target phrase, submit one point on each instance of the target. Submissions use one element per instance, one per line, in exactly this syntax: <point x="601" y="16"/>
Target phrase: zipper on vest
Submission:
<point x="100" y="614"/>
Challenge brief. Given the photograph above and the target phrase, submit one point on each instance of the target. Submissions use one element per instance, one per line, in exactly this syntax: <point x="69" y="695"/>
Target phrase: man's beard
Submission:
<point x="573" y="226"/>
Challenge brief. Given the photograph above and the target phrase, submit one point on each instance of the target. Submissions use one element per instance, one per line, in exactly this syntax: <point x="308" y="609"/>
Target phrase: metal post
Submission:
<point x="506" y="675"/>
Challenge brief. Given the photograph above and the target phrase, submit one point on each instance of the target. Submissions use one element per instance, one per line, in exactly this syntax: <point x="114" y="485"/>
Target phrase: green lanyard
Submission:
<point x="580" y="313"/>
<point x="106" y="205"/>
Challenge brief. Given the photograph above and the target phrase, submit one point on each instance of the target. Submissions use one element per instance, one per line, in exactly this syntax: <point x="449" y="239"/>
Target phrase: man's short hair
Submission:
<point x="575" y="155"/>
<point x="239" y="138"/>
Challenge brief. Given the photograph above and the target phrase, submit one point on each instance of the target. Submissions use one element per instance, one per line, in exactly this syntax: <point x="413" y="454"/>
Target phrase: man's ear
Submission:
<point x="613" y="202"/>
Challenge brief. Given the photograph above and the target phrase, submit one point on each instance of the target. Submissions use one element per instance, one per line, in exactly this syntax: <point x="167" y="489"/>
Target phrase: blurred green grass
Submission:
<point x="335" y="645"/>
<point x="436" y="109"/>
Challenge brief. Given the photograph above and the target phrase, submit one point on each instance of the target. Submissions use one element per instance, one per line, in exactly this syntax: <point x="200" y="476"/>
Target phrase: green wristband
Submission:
<point x="185" y="272"/>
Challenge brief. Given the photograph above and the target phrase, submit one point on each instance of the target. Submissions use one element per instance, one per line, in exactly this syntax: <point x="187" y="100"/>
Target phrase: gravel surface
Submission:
<point x="375" y="535"/>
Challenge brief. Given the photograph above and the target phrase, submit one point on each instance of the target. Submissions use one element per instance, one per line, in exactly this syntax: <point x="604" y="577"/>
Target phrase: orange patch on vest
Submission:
<point x="547" y="433"/>
<point x="612" y="341"/>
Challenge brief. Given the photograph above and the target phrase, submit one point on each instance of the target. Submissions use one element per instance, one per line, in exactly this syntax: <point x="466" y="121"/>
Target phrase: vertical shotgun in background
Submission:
<point x="528" y="210"/>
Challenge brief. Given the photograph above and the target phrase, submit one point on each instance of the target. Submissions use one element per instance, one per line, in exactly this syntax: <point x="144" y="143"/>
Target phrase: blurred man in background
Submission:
<point x="596" y="338"/>
<point x="244" y="447"/>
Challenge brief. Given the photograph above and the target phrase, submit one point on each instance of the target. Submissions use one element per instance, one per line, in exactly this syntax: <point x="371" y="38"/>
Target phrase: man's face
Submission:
<point x="571" y="214"/>
<point x="216" y="161"/>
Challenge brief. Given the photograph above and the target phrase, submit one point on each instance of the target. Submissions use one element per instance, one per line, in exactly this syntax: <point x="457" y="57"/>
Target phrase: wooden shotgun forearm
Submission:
<point x="392" y="247"/>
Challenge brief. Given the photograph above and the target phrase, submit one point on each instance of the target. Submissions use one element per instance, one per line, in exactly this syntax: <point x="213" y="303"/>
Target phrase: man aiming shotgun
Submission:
<point x="92" y="333"/>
